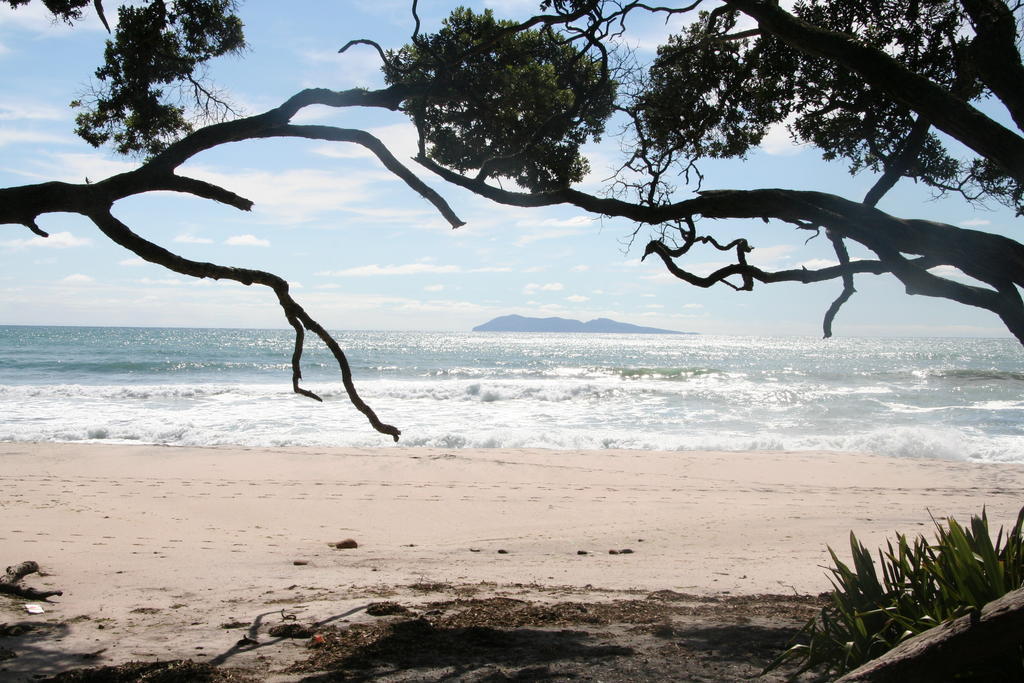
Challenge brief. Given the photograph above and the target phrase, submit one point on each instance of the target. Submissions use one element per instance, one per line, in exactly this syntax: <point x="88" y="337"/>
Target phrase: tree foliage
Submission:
<point x="714" y="92"/>
<point x="151" y="88"/>
<point x="505" y="102"/>
<point x="154" y="55"/>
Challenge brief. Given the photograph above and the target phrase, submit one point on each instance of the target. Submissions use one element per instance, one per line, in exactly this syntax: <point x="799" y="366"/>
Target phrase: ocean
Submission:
<point x="959" y="399"/>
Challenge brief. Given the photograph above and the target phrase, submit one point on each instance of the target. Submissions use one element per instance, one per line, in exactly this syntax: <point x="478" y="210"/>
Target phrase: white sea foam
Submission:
<point x="953" y="399"/>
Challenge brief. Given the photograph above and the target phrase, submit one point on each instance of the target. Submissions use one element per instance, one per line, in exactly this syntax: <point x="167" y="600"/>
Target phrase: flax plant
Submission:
<point x="922" y="584"/>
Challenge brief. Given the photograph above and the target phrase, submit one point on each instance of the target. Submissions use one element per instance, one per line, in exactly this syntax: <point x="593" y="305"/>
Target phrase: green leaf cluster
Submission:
<point x="68" y="11"/>
<point x="922" y="584"/>
<point x="716" y="89"/>
<point x="505" y="103"/>
<point x="157" y="49"/>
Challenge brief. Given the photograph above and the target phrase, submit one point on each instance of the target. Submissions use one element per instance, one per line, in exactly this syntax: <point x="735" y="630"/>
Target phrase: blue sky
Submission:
<point x="361" y="249"/>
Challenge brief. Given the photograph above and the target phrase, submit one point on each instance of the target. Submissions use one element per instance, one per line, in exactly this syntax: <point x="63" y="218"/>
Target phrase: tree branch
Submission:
<point x="895" y="168"/>
<point x="361" y="137"/>
<point x="121" y="234"/>
<point x="995" y="50"/>
<point x="993" y="259"/>
<point x="848" y="290"/>
<point x="946" y="112"/>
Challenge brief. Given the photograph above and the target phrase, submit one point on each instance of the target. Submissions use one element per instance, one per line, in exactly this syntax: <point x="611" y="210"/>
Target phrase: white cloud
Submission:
<point x="246" y="241"/>
<point x="75" y="167"/>
<point x="533" y="287"/>
<point x="77" y="279"/>
<point x="17" y="110"/>
<point x="404" y="269"/>
<point x="580" y="268"/>
<point x="12" y="136"/>
<point x="400" y="139"/>
<point x="172" y="282"/>
<point x="577" y="299"/>
<point x="57" y="240"/>
<point x="433" y="288"/>
<point x="777" y="141"/>
<point x="547" y="235"/>
<point x="189" y="238"/>
<point x="357" y="67"/>
<point x="951" y="273"/>
<point x="574" y="222"/>
<point x="975" y="222"/>
<point x="131" y="262"/>
<point x="817" y="263"/>
<point x="300" y="195"/>
<point x="771" y="257"/>
<point x="343" y="150"/>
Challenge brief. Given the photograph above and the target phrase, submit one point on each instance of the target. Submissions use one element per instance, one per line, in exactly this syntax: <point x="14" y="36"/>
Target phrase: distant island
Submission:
<point x="519" y="323"/>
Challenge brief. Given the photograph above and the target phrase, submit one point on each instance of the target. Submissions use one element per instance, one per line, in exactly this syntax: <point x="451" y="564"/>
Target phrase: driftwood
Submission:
<point x="986" y="643"/>
<point x="11" y="580"/>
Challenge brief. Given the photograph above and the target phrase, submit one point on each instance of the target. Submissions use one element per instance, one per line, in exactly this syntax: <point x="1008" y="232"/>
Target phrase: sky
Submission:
<point x="361" y="249"/>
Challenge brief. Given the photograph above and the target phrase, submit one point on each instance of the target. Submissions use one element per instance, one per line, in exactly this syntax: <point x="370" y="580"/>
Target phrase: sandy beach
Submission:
<point x="157" y="549"/>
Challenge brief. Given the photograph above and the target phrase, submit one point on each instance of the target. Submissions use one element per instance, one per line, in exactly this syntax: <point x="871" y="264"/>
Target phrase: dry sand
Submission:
<point x="157" y="548"/>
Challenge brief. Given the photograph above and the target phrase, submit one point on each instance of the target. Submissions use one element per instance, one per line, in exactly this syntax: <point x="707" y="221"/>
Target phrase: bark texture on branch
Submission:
<point x="989" y="642"/>
<point x="10" y="582"/>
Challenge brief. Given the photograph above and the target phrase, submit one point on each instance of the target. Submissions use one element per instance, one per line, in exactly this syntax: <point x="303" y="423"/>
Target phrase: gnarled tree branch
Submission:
<point x="993" y="259"/>
<point x="23" y="205"/>
<point x="297" y="317"/>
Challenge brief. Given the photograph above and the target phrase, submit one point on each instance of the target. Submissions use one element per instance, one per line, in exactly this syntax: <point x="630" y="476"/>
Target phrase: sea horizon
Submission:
<point x="332" y="330"/>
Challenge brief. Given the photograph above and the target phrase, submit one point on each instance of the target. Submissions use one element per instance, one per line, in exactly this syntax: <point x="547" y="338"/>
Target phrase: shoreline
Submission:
<point x="146" y="539"/>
